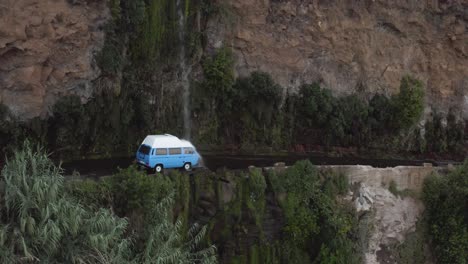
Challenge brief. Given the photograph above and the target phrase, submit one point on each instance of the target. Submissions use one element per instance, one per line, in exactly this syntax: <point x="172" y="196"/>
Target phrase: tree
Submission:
<point x="219" y="78"/>
<point x="40" y="221"/>
<point x="409" y="103"/>
<point x="446" y="201"/>
<point x="315" y="105"/>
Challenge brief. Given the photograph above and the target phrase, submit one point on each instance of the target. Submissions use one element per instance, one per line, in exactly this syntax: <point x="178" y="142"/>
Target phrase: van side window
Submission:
<point x="188" y="151"/>
<point x="175" y="151"/>
<point x="161" y="151"/>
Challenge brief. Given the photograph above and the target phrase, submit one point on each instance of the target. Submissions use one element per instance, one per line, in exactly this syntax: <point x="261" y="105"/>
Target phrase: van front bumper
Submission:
<point x="141" y="164"/>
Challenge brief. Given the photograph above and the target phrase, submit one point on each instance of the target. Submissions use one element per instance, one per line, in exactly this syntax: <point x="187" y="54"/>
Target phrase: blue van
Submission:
<point x="167" y="151"/>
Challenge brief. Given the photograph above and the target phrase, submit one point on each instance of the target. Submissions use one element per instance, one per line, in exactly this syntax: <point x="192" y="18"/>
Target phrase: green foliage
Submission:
<point x="442" y="138"/>
<point x="157" y="33"/>
<point x="255" y="108"/>
<point x="314" y="220"/>
<point x="335" y="184"/>
<point x="92" y="193"/>
<point x="219" y="75"/>
<point x="315" y="105"/>
<point x="115" y="8"/>
<point x="414" y="249"/>
<point x="350" y="125"/>
<point x="259" y="95"/>
<point x="393" y="188"/>
<point x="455" y="131"/>
<point x="409" y="103"/>
<point x="435" y="134"/>
<point x="343" y="120"/>
<point x="257" y="184"/>
<point x="134" y="190"/>
<point x="165" y="241"/>
<point x="350" y="121"/>
<point x="9" y="130"/>
<point x="256" y="195"/>
<point x="106" y="124"/>
<point x="381" y="114"/>
<point x="110" y="59"/>
<point x="446" y="204"/>
<point x="249" y="104"/>
<point x="40" y="222"/>
<point x="70" y="123"/>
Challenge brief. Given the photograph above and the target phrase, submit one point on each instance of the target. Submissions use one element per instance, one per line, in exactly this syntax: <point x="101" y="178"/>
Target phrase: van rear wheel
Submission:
<point x="188" y="166"/>
<point x="158" y="168"/>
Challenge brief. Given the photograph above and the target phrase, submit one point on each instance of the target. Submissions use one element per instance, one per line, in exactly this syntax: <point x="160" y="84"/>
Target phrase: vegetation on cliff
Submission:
<point x="446" y="200"/>
<point x="41" y="221"/>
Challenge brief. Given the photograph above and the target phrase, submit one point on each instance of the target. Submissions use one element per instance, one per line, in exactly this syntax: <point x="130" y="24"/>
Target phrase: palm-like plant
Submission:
<point x="39" y="222"/>
<point x="166" y="242"/>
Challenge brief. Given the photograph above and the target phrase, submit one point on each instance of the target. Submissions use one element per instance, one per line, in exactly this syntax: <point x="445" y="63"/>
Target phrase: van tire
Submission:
<point x="188" y="166"/>
<point x="158" y="168"/>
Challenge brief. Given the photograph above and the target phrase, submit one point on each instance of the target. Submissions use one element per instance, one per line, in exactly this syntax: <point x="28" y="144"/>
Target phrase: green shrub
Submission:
<point x="455" y="131"/>
<point x="351" y="114"/>
<point x="414" y="247"/>
<point x="393" y="188"/>
<point x="315" y="222"/>
<point x="315" y="105"/>
<point x="257" y="184"/>
<point x="219" y="76"/>
<point x="435" y="134"/>
<point x="134" y="190"/>
<point x="446" y="204"/>
<point x="335" y="184"/>
<point x="300" y="182"/>
<point x="95" y="194"/>
<point x="381" y="112"/>
<point x="409" y="103"/>
<point x="70" y="124"/>
<point x="110" y="59"/>
<point x="40" y="222"/>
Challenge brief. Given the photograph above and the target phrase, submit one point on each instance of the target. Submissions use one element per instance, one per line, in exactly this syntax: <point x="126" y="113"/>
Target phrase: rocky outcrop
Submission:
<point x="392" y="218"/>
<point x="47" y="50"/>
<point x="352" y="46"/>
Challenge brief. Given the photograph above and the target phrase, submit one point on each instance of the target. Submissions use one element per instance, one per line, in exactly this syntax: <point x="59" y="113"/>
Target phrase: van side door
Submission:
<point x="160" y="157"/>
<point x="175" y="157"/>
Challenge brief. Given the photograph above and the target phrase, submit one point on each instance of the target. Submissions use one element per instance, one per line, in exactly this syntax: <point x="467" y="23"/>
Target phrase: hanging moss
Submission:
<point x="115" y="8"/>
<point x="157" y="32"/>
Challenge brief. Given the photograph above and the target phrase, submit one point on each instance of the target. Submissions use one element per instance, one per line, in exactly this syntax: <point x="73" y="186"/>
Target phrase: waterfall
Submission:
<point x="184" y="69"/>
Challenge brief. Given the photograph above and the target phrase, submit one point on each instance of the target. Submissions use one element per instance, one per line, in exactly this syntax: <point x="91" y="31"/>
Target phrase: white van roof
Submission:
<point x="166" y="141"/>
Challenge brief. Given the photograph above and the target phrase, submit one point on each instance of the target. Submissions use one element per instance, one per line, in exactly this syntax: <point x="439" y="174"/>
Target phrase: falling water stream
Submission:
<point x="184" y="69"/>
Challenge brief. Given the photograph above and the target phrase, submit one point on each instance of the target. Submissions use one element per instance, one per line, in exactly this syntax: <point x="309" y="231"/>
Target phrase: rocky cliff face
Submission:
<point x="47" y="47"/>
<point x="46" y="51"/>
<point x="353" y="46"/>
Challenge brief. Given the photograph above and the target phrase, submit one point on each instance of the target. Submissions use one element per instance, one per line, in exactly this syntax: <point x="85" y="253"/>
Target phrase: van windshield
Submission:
<point x="145" y="149"/>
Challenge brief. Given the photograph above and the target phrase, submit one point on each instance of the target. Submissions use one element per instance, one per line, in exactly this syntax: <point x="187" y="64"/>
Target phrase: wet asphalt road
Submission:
<point x="102" y="167"/>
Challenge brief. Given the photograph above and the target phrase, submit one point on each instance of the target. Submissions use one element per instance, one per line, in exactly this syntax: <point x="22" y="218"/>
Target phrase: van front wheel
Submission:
<point x="188" y="166"/>
<point x="158" y="168"/>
